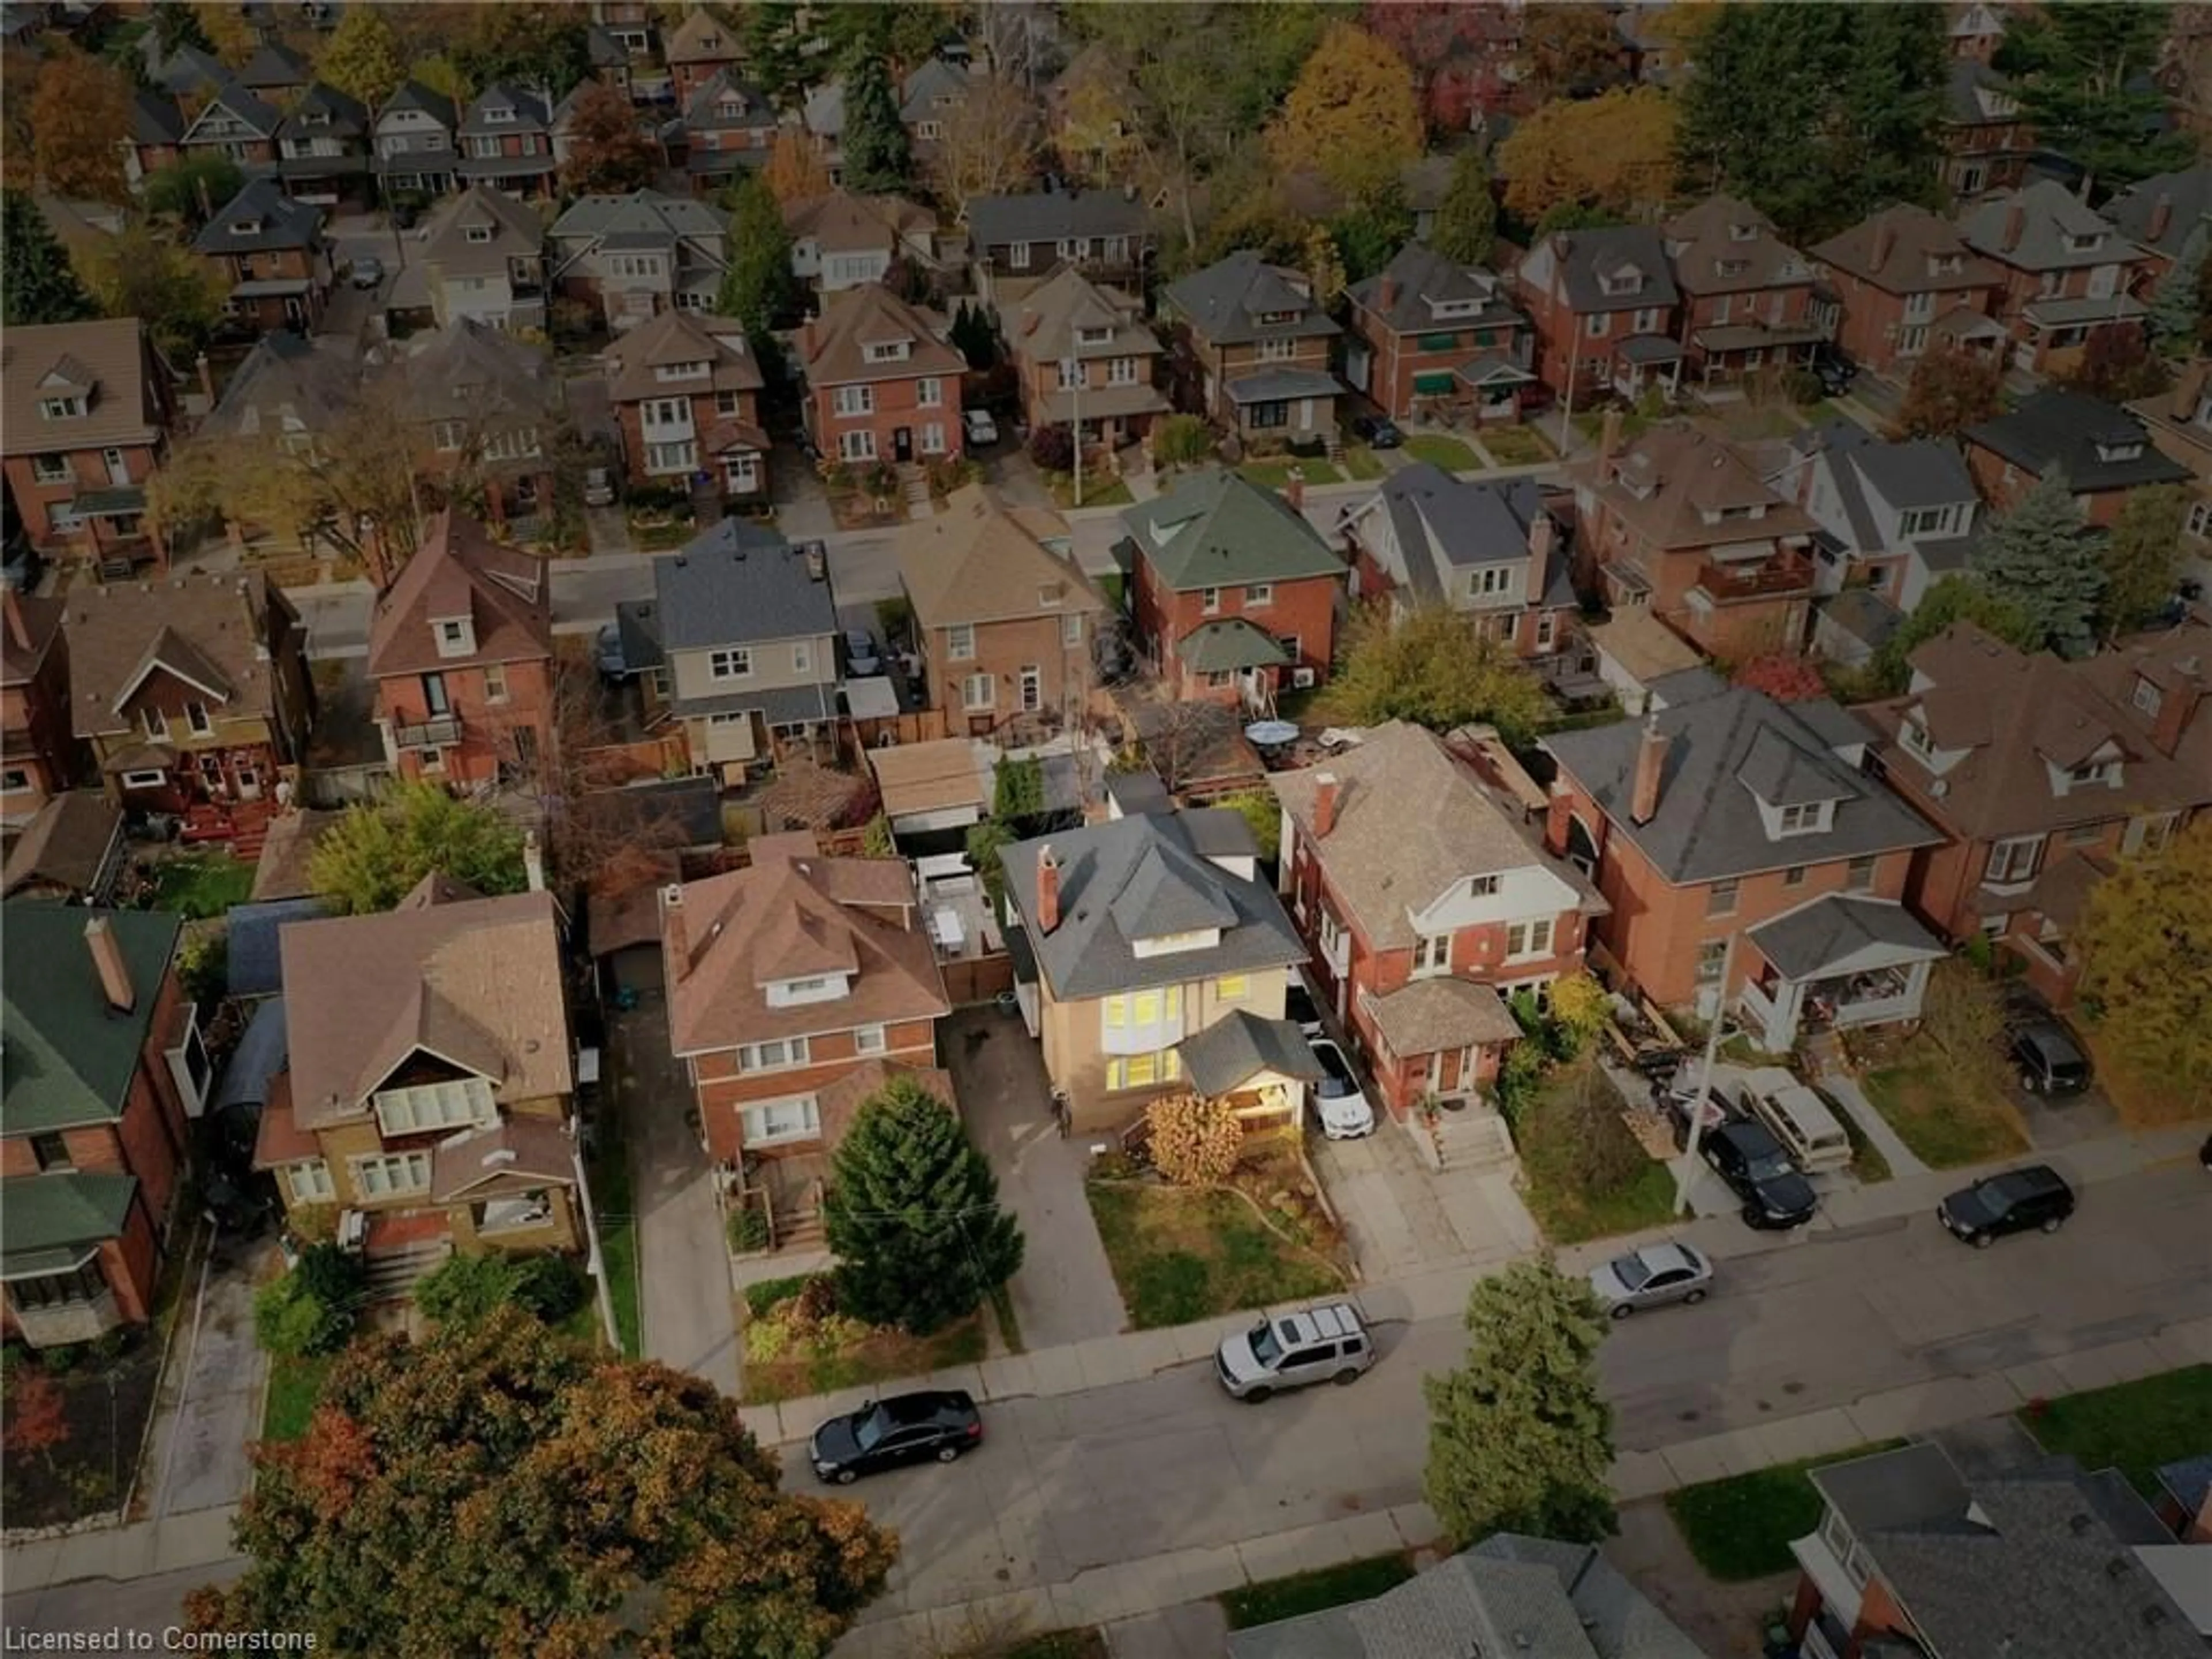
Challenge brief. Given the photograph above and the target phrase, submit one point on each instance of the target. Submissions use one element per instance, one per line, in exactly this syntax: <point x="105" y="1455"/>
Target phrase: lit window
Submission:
<point x="1232" y="987"/>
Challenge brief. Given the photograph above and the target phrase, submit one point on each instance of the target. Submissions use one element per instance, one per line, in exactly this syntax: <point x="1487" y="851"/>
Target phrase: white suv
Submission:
<point x="977" y="427"/>
<point x="1328" y="1344"/>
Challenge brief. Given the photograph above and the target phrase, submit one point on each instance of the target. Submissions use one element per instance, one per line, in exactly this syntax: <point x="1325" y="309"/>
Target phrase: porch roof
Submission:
<point x="1651" y="348"/>
<point x="50" y="1223"/>
<point x="1839" y="933"/>
<point x="1275" y="386"/>
<point x="1232" y="643"/>
<point x="1232" y="1051"/>
<point x="1491" y="367"/>
<point x="2063" y="890"/>
<point x="1432" y="1014"/>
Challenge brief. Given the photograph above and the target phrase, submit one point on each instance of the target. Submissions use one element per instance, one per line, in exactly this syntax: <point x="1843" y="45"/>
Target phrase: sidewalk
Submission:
<point x="198" y="1539"/>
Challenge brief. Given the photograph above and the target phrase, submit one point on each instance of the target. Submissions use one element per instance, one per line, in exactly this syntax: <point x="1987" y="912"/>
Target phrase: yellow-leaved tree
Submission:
<point x="1614" y="153"/>
<point x="1352" y="117"/>
<point x="2146" y="941"/>
<point x="1195" y="1141"/>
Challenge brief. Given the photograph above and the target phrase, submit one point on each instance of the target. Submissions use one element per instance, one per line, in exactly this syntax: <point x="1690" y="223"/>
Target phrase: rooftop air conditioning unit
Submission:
<point x="1303" y="679"/>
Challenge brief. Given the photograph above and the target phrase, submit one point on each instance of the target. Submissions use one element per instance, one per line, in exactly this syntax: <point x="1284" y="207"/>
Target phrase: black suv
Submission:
<point x="2036" y="1196"/>
<point x="2051" y="1062"/>
<point x="1745" y="1155"/>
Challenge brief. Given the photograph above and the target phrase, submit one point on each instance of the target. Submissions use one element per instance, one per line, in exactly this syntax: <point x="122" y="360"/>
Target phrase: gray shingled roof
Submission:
<point x="155" y="117"/>
<point x="1918" y="472"/>
<point x="529" y="112"/>
<point x="413" y="94"/>
<point x="2187" y="198"/>
<point x="2063" y="430"/>
<point x="2049" y="216"/>
<point x="655" y="213"/>
<point x="935" y="78"/>
<point x="1838" y="933"/>
<point x="1279" y="384"/>
<point x="254" y="966"/>
<point x="281" y="221"/>
<point x="1708" y="824"/>
<point x="1224" y="302"/>
<point x="1586" y="256"/>
<point x="1445" y="524"/>
<point x="1053" y="215"/>
<point x="1424" y="276"/>
<point x="738" y="583"/>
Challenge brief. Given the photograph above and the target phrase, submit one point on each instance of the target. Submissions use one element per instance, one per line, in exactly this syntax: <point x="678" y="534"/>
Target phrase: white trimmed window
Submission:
<point x="859" y="445"/>
<point x="869" y="1040"/>
<point x="1258" y="596"/>
<point x="397" y="1174"/>
<point x="2013" y="859"/>
<point x="50" y="469"/>
<point x="1122" y="371"/>
<point x="978" y="692"/>
<point x="309" y="1181"/>
<point x="777" y="1056"/>
<point x="1071" y="628"/>
<point x="460" y="1103"/>
<point x="1431" y="954"/>
<point x="854" y="400"/>
<point x="1143" y="1070"/>
<point x="147" y="779"/>
<point x="1529" y="938"/>
<point x="929" y="392"/>
<point x="733" y="663"/>
<point x="495" y="682"/>
<point x="1712" y="957"/>
<point x="1018" y="256"/>
<point x="769" y="1121"/>
<point x="960" y="642"/>
<point x="802" y="657"/>
<point x="933" y="439"/>
<point x="1720" y="897"/>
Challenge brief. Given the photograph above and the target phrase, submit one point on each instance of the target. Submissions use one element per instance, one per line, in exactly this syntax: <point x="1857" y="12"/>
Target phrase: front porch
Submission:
<point x="1436" y="1039"/>
<point x="1836" y="962"/>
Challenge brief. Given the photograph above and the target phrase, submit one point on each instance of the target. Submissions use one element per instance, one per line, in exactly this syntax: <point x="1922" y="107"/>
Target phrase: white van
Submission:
<point x="1800" y="1116"/>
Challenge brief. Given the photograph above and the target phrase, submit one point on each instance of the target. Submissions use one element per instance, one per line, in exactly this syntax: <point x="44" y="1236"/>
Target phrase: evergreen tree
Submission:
<point x="1520" y="1439"/>
<point x="2142" y="557"/>
<point x="973" y="335"/>
<point x="774" y="35"/>
<point x="36" y="283"/>
<point x="757" y="285"/>
<point x="878" y="157"/>
<point x="2178" y="302"/>
<point x="2042" y="559"/>
<point x="1466" y="218"/>
<point x="912" y="1214"/>
<point x="2082" y="76"/>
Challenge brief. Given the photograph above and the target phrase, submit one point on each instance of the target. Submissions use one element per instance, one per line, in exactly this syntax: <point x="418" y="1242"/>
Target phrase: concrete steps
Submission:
<point x="392" y="1273"/>
<point x="1474" y="1138"/>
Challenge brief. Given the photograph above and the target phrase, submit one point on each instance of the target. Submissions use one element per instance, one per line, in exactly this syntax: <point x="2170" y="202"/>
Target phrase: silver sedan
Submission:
<point x="1655" y="1274"/>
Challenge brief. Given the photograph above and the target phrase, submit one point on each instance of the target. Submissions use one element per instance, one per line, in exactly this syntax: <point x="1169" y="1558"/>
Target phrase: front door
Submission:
<point x="1032" y="691"/>
<point x="118" y="469"/>
<point x="249" y="783"/>
<point x="903" y="444"/>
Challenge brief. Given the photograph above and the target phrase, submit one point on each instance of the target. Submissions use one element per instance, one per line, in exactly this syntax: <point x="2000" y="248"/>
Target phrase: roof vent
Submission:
<point x="2078" y="1524"/>
<point x="2116" y="1568"/>
<point x="499" y="1155"/>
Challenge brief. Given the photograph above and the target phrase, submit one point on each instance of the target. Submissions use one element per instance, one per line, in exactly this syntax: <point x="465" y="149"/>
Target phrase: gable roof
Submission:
<point x="515" y="228"/>
<point x="273" y="64"/>
<point x="112" y="354"/>
<point x="1893" y="249"/>
<point x="680" y="337"/>
<point x="458" y="570"/>
<point x="700" y="38"/>
<point x="738" y="583"/>
<point x="1213" y="528"/>
<point x="72" y="842"/>
<point x="474" y="371"/>
<point x="1232" y="1051"/>
<point x="1844" y="932"/>
<point x="1440" y="524"/>
<point x="978" y="561"/>
<point x="704" y="110"/>
<point x="1584" y="258"/>
<point x="1708" y="826"/>
<point x="1053" y="215"/>
<point x="529" y="108"/>
<point x="869" y="314"/>
<point x="1709" y="242"/>
<point x="285" y="381"/>
<point x="666" y="219"/>
<point x="1686" y="473"/>
<point x="1043" y="324"/>
<point x="189" y="69"/>
<point x="155" y="117"/>
<point x="414" y="95"/>
<point x="344" y="116"/>
<point x="208" y="629"/>
<point x="1226" y="301"/>
<point x="933" y="79"/>
<point x="2055" y="427"/>
<point x="2031" y="228"/>
<point x="1424" y="278"/>
<point x="2183" y="198"/>
<point x="276" y="221"/>
<point x="242" y="104"/>
<point x="69" y="1056"/>
<point x="841" y="222"/>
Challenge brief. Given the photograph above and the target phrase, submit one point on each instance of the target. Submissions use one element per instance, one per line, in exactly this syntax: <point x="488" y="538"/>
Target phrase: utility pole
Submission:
<point x="1685" y="1170"/>
<point x="1075" y="407"/>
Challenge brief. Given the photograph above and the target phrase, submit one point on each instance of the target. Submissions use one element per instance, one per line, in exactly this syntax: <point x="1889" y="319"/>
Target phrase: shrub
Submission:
<point x="748" y="1228"/>
<point x="1053" y="448"/>
<point x="1182" y="441"/>
<point x="472" y="1286"/>
<point x="311" y="1309"/>
<point x="1195" y="1142"/>
<point x="1520" y="1081"/>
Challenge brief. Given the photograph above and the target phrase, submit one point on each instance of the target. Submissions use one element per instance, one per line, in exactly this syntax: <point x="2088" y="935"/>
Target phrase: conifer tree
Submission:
<point x="2040" y="558"/>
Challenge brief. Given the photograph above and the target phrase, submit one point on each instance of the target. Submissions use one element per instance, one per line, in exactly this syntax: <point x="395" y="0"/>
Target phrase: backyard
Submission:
<point x="200" y="884"/>
<point x="1184" y="1254"/>
<point x="1438" y="450"/>
<point x="1947" y="1115"/>
<point x="75" y="1421"/>
<point x="797" y="1344"/>
<point x="1740" y="1529"/>
<point x="2132" y="1427"/>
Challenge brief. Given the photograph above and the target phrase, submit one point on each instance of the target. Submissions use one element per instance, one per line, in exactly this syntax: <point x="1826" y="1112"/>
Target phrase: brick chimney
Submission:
<point x="1541" y="533"/>
<point x="1047" y="896"/>
<point x="2177" y="706"/>
<point x="1885" y="242"/>
<point x="1294" y="488"/>
<point x="1650" y="765"/>
<point x="533" y="862"/>
<point x="1326" y="792"/>
<point x="1609" y="441"/>
<point x="675" y="933"/>
<point x="1386" y="297"/>
<point x="2015" y="226"/>
<point x="1558" y="816"/>
<point x="19" y="627"/>
<point x="2161" y="217"/>
<point x="108" y="959"/>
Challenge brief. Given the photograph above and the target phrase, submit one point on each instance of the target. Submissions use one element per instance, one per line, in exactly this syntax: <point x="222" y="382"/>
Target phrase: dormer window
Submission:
<point x="317" y="117"/>
<point x="729" y="109"/>
<point x="1732" y="267"/>
<point x="2085" y="241"/>
<point x="478" y="233"/>
<point x="1740" y="233"/>
<point x="457" y="635"/>
<point x="1443" y="309"/>
<point x="2106" y="770"/>
<point x="679" y="371"/>
<point x="1482" y="887"/>
<point x="1944" y="264"/>
<point x="245" y="226"/>
<point x="1278" y="319"/>
<point x="1805" y="818"/>
<point x="1626" y="280"/>
<point x="1049" y="595"/>
<point x="887" y="351"/>
<point x="1914" y="736"/>
<point x="499" y="117"/>
<point x="816" y="987"/>
<point x="60" y="408"/>
<point x="1094" y="336"/>
<point x="710" y="43"/>
<point x="2148" y="698"/>
<point x="2126" y="450"/>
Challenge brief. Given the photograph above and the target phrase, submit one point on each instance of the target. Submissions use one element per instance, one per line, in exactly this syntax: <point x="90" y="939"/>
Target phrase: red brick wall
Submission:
<point x="488" y="729"/>
<point x="724" y="1095"/>
<point x="898" y="404"/>
<point x="1305" y="608"/>
<point x="36" y="501"/>
<point x="1003" y="649"/>
<point x="2003" y="484"/>
<point x="705" y="418"/>
<point x="1399" y="358"/>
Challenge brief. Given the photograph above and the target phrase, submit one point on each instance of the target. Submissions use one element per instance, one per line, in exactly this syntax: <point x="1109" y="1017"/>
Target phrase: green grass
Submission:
<point x="1271" y="1599"/>
<point x="659" y="538"/>
<point x="1362" y="463"/>
<point x="1946" y="1121"/>
<point x="1868" y="1164"/>
<point x="763" y="1296"/>
<point x="1584" y="1175"/>
<point x="1010" y="1328"/>
<point x="617" y="1223"/>
<point x="1273" y="475"/>
<point x="1181" y="1255"/>
<point x="1084" y="1643"/>
<point x="1113" y="584"/>
<point x="1096" y="492"/>
<point x="294" y="1385"/>
<point x="821" y="1359"/>
<point x="197" y="885"/>
<point x="1740" y="1529"/>
<point x="1518" y="445"/>
<point x="1438" y="450"/>
<point x="2132" y="1427"/>
<point x="1574" y="1218"/>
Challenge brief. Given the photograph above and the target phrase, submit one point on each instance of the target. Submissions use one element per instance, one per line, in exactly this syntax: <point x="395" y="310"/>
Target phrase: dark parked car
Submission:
<point x="907" y="1428"/>
<point x="1377" y="431"/>
<point x="1835" y="371"/>
<point x="2036" y="1196"/>
<point x="1747" y="1156"/>
<point x="2051" y="1062"/>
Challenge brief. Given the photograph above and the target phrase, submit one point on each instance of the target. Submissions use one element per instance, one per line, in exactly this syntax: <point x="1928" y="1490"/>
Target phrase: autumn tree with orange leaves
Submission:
<point x="79" y="108"/>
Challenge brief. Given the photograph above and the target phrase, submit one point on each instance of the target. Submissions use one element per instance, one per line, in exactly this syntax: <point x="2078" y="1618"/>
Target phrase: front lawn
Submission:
<point x="1184" y="1253"/>
<point x="74" y="1419"/>
<point x="1438" y="450"/>
<point x="1740" y="1529"/>
<point x="1274" y="475"/>
<point x="1947" y="1120"/>
<point x="1518" y="445"/>
<point x="795" y="1346"/>
<point x="646" y="537"/>
<point x="1301" y="1592"/>
<point x="198" y="885"/>
<point x="1362" y="463"/>
<point x="1096" y="492"/>
<point x="1585" y="1175"/>
<point x="1084" y="1643"/>
<point x="2132" y="1427"/>
<point x="1868" y="1164"/>
<point x="294" y="1385"/>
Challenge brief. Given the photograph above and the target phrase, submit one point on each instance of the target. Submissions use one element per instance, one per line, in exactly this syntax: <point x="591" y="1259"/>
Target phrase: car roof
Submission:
<point x="2056" y="1042"/>
<point x="2032" y="1178"/>
<point x="922" y="1407"/>
<point x="1320" y="1324"/>
<point x="1660" y="1258"/>
<point x="1750" y="1135"/>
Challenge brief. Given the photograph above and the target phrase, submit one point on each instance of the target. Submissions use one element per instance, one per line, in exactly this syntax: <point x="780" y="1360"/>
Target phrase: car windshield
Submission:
<point x="1631" y="1270"/>
<point x="1332" y="1063"/>
<point x="1264" y="1348"/>
<point x="1770" y="1166"/>
<point x="869" y="1428"/>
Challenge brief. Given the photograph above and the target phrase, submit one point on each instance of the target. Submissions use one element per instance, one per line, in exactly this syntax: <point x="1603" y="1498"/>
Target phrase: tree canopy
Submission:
<point x="2039" y="557"/>
<point x="36" y="283"/>
<point x="571" y="1497"/>
<point x="1948" y="391"/>
<point x="988" y="143"/>
<point x="796" y="169"/>
<point x="2146" y="938"/>
<point x="878" y="159"/>
<point x="369" y="860"/>
<point x="193" y="188"/>
<point x="609" y="153"/>
<point x="142" y="272"/>
<point x="2142" y="557"/>
<point x="80" y="110"/>
<point x="756" y="276"/>
<point x="2082" y="73"/>
<point x="530" y="43"/>
<point x="2181" y="301"/>
<point x="1466" y="224"/>
<point x="1431" y="667"/>
<point x="1614" y="152"/>
<point x="1954" y="599"/>
<point x="1352" y="117"/>
<point x="1568" y="50"/>
<point x="363" y="58"/>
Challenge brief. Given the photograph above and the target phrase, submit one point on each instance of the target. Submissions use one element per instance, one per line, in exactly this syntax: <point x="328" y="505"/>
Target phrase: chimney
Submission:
<point x="19" y="629"/>
<point x="1541" y="533"/>
<point x="675" y="936"/>
<point x="1650" y="763"/>
<point x="2015" y="224"/>
<point x="2161" y="217"/>
<point x="107" y="957"/>
<point x="1885" y="239"/>
<point x="1294" y="488"/>
<point x="533" y="862"/>
<point x="1048" y="899"/>
<point x="1559" y="814"/>
<point x="1386" y="297"/>
<point x="1609" y="441"/>
<point x="1327" y="792"/>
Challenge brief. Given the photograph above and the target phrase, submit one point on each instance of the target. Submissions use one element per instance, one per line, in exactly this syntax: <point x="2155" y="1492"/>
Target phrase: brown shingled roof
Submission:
<point x="870" y="315"/>
<point x="516" y="1154"/>
<point x="976" y="562"/>
<point x="460" y="571"/>
<point x="206" y="628"/>
<point x="1709" y="241"/>
<point x="1907" y="238"/>
<point x="841" y="222"/>
<point x="1687" y="473"/>
<point x="109" y="359"/>
<point x="678" y="337"/>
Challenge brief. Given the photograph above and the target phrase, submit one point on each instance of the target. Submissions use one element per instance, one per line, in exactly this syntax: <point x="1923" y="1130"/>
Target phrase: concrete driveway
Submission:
<point x="1065" y="1291"/>
<point x="1403" y="1218"/>
<point x="202" y="1455"/>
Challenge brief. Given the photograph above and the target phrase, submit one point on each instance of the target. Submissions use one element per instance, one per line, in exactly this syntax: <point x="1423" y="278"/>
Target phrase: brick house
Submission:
<point x="488" y="404"/>
<point x="2067" y="273"/>
<point x="1004" y="623"/>
<point x="1604" y="305"/>
<point x="1236" y="592"/>
<point x="2042" y="774"/>
<point x="40" y="756"/>
<point x="882" y="384"/>
<point x="276" y="73"/>
<point x="272" y="252"/>
<point x="1905" y="282"/>
<point x="1083" y="358"/>
<point x="685" y="390"/>
<point x="94" y="1145"/>
<point x="193" y="691"/>
<point x="633" y="257"/>
<point x="2180" y="421"/>
<point x="1106" y="235"/>
<point x="727" y="128"/>
<point x="927" y="98"/>
<point x="1976" y="30"/>
<point x="2159" y="214"/>
<point x="505" y="138"/>
<point x="1747" y="858"/>
<point x="1680" y="522"/>
<point x="1987" y="141"/>
<point x="633" y="24"/>
<point x="1259" y="347"/>
<point x="428" y="1088"/>
<point x="460" y="648"/>
<point x="157" y="131"/>
<point x="87" y="408"/>
<point x="1423" y="922"/>
<point x="840" y="240"/>
<point x="237" y="124"/>
<point x="1747" y="294"/>
<point x="414" y="136"/>
<point x="699" y="48"/>
<point x="1429" y="336"/>
<point x="796" y="988"/>
<point x="1489" y="550"/>
<point x="483" y="257"/>
<point x="2103" y="451"/>
<point x="323" y="148"/>
<point x="1133" y="937"/>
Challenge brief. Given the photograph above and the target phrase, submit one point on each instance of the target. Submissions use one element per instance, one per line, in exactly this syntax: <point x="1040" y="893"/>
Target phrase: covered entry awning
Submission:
<point x="1231" y="1054"/>
<point x="1840" y="934"/>
<point x="1225" y="647"/>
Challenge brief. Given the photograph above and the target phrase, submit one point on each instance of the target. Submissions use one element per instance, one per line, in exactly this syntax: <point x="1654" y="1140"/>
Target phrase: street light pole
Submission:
<point x="1685" y="1170"/>
<point x="1075" y="408"/>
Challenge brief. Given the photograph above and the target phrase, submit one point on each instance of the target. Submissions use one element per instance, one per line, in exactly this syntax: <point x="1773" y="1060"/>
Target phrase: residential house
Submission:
<point x="2159" y="214"/>
<point x="276" y="72"/>
<point x="483" y="259"/>
<point x="1016" y="240"/>
<point x="840" y="240"/>
<point x="272" y="252"/>
<point x="237" y="124"/>
<point x="1133" y="937"/>
<point x="1236" y="592"/>
<point x="797" y="988"/>
<point x="2039" y="1562"/>
<point x="416" y="152"/>
<point x="1895" y="516"/>
<point x="1429" y="336"/>
<point x="699" y="48"/>
<point x="460" y="647"/>
<point x="685" y="390"/>
<point x="1428" y="906"/>
<point x="635" y="256"/>
<point x="1976" y="30"/>
<point x="104" y="1063"/>
<point x="633" y="23"/>
<point x="189" y="74"/>
<point x="1006" y="624"/>
<point x="157" y="132"/>
<point x="39" y="757"/>
<point x="882" y="384"/>
<point x="289" y="390"/>
<point x="1088" y="111"/>
<point x="821" y="118"/>
<point x="1084" y="358"/>
<point x="1747" y="294"/>
<point x="2180" y="421"/>
<point x="427" y="1096"/>
<point x="322" y="148"/>
<point x="2042" y="774"/>
<point x="1680" y="522"/>
<point x="2102" y="451"/>
<point x="506" y="138"/>
<point x="728" y="127"/>
<point x="1260" y="348"/>
<point x="70" y="852"/>
<point x="85" y="409"/>
<point x="1749" y="863"/>
<point x="192" y="691"/>
<point x="490" y="404"/>
<point x="739" y="642"/>
<point x="927" y="98"/>
<point x="1906" y="283"/>
<point x="1647" y="664"/>
<point x="610" y="55"/>
<point x="1604" y="305"/>
<point x="2067" y="273"/>
<point x="1489" y="550"/>
<point x="1987" y="141"/>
